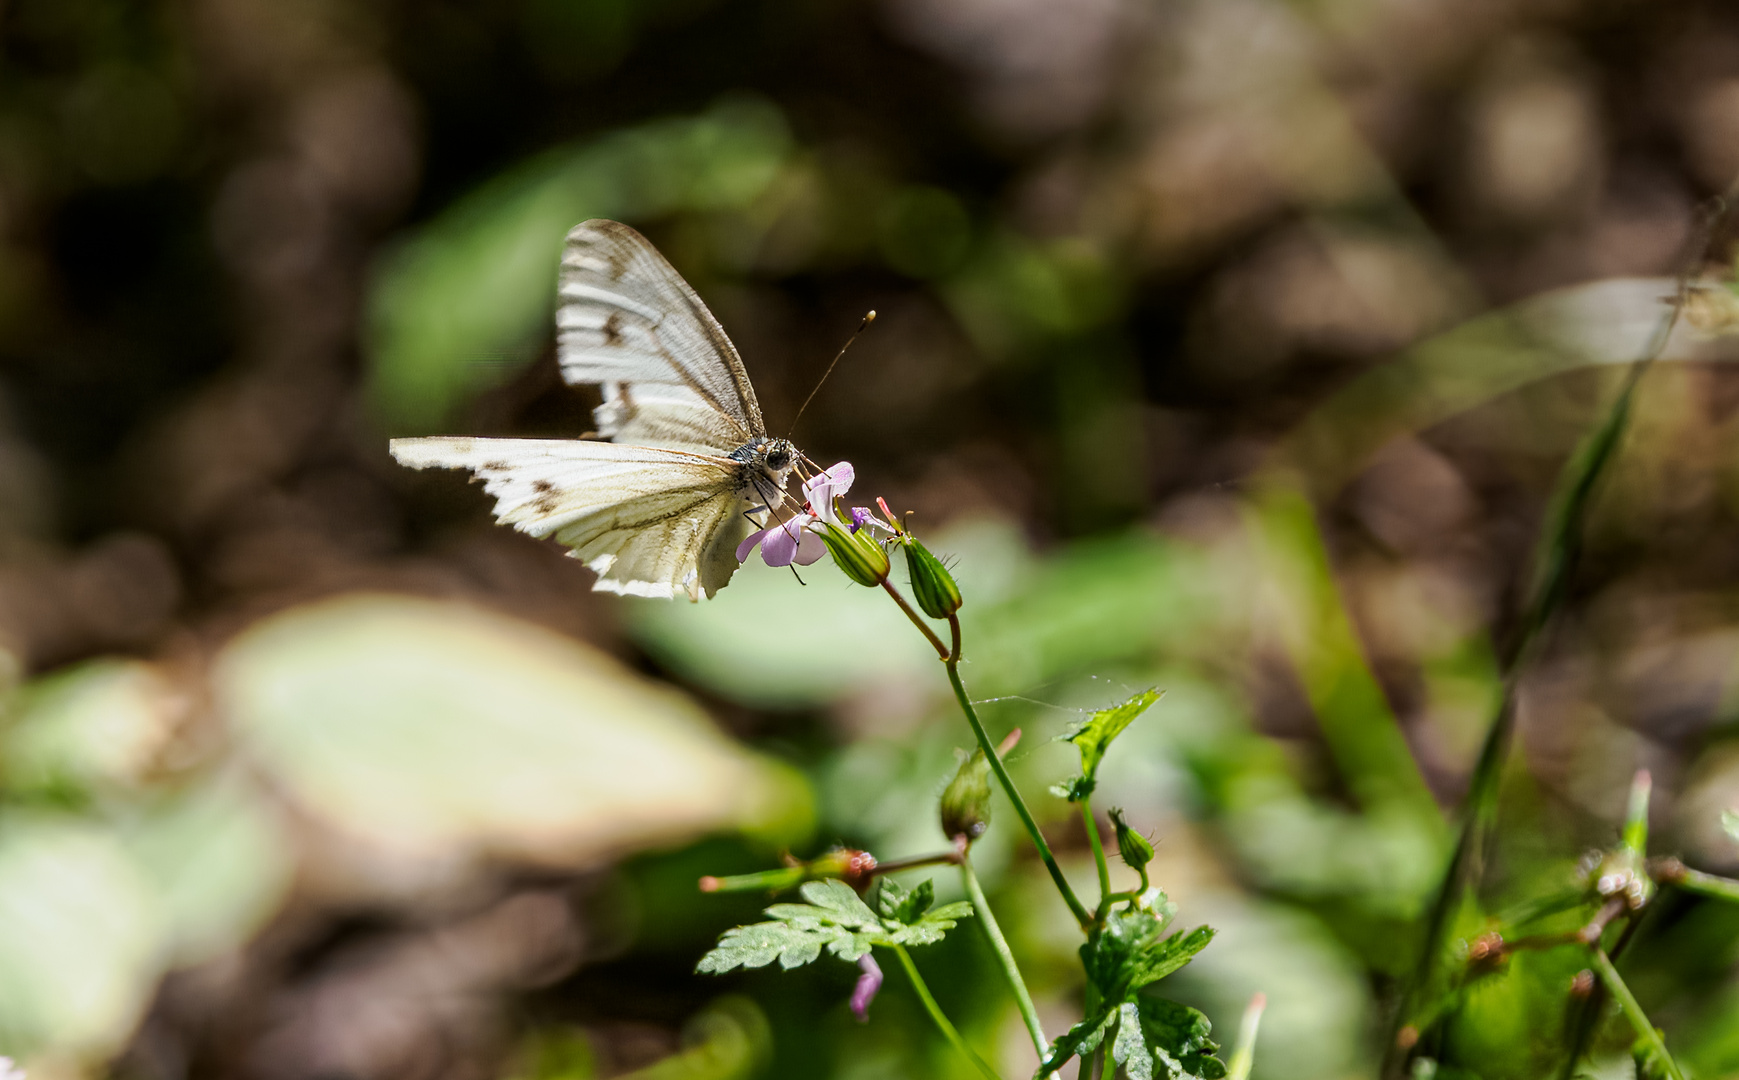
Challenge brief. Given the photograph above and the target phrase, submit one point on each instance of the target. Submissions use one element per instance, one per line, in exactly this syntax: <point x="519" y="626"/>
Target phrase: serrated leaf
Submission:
<point x="1082" y="1039"/>
<point x="1730" y="822"/>
<point x="1179" y="1035"/>
<point x="1153" y="1039"/>
<point x="1094" y="737"/>
<point x="1130" y="953"/>
<point x="903" y="907"/>
<point x="835" y="919"/>
<point x="837" y="897"/>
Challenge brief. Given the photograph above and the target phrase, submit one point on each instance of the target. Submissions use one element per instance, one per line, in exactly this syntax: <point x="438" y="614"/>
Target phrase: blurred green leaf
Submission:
<point x="1730" y="822"/>
<point x="825" y="662"/>
<point x="924" y="231"/>
<point x="221" y="863"/>
<point x="1094" y="737"/>
<point x="728" y="1039"/>
<point x="433" y="727"/>
<point x="468" y="297"/>
<point x="93" y="726"/>
<point x="81" y="934"/>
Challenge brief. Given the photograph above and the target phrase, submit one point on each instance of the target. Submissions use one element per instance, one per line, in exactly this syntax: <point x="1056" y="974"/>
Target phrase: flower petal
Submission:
<point x="779" y="545"/>
<point x="821" y="489"/>
<point x="867" y="985"/>
<point x="744" y="550"/>
<point x="810" y="548"/>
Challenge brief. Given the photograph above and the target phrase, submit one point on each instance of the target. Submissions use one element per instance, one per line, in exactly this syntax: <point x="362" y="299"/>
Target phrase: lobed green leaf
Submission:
<point x="835" y="919"/>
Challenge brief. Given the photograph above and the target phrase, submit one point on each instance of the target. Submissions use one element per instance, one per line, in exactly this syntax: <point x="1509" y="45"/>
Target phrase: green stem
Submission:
<point x="1645" y="1029"/>
<point x="1098" y="844"/>
<point x="1707" y="884"/>
<point x="1096" y="1064"/>
<point x="1082" y="915"/>
<point x="1010" y="970"/>
<point x="942" y="1023"/>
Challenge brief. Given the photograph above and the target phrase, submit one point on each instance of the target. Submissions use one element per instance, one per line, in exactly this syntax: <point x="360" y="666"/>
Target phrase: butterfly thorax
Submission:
<point x="766" y="459"/>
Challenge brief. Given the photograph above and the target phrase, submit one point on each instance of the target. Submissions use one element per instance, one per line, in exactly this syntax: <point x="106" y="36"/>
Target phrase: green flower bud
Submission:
<point x="1133" y="846"/>
<point x="966" y="799"/>
<point x="932" y="585"/>
<point x="862" y="559"/>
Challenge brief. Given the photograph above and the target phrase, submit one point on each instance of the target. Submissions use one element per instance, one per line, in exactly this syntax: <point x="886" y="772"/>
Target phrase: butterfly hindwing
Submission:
<point x="627" y="320"/>
<point x="649" y="520"/>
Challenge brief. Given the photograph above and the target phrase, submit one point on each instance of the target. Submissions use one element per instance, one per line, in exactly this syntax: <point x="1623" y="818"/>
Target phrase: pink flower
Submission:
<point x="867" y="985"/>
<point x="823" y="488"/>
<point x="785" y="542"/>
<point x="791" y="541"/>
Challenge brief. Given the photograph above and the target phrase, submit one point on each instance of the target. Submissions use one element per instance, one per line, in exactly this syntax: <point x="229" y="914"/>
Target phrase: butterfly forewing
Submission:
<point x="627" y="320"/>
<point x="649" y="520"/>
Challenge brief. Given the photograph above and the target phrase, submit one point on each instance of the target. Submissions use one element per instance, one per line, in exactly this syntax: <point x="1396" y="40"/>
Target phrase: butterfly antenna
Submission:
<point x="867" y="319"/>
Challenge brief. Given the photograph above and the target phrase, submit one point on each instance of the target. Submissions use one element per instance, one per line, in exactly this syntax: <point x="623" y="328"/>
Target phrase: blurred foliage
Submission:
<point x="1230" y="347"/>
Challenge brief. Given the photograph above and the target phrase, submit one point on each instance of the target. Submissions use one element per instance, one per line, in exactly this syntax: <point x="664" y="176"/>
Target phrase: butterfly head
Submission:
<point x="772" y="459"/>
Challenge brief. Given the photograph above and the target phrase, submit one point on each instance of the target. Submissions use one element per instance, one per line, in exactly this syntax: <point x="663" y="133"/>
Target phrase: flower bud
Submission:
<point x="862" y="559"/>
<point x="1133" y="846"/>
<point x="966" y="799"/>
<point x="932" y="585"/>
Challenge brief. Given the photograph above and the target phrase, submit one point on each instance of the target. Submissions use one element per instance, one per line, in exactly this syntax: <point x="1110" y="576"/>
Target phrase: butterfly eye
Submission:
<point x="778" y="459"/>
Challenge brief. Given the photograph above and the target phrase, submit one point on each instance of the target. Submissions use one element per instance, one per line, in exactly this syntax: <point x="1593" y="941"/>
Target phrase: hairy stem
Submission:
<point x="943" y="1024"/>
<point x="1082" y="915"/>
<point x="1004" y="955"/>
<point x="1645" y="1029"/>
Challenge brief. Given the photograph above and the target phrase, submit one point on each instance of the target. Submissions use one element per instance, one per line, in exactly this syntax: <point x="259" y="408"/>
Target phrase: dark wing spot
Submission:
<point x="495" y="466"/>
<point x="613" y="329"/>
<point x="546" y="503"/>
<point x="542" y="487"/>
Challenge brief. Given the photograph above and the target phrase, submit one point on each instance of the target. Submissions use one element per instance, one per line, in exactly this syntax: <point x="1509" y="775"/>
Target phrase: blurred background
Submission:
<point x="1231" y="346"/>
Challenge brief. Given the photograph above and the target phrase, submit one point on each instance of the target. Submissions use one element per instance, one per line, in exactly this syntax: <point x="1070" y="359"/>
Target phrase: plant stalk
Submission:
<point x="1098" y="844"/>
<point x="943" y="1024"/>
<point x="1645" y="1029"/>
<point x="1082" y="915"/>
<point x="1004" y="955"/>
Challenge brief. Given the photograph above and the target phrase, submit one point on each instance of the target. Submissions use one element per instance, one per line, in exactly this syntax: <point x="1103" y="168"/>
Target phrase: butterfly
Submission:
<point x="658" y="510"/>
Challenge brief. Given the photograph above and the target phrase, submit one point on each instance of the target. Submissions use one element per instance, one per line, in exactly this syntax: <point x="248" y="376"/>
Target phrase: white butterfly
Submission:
<point x="659" y="511"/>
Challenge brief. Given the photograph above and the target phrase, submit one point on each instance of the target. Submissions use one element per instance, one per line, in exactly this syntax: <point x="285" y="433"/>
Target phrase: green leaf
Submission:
<point x="1153" y="1038"/>
<point x="438" y="730"/>
<point x="1730" y="822"/>
<point x="1130" y="953"/>
<point x="903" y="907"/>
<point x="1180" y="1035"/>
<point x="1080" y="1040"/>
<point x="1094" y="737"/>
<point x="835" y="919"/>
